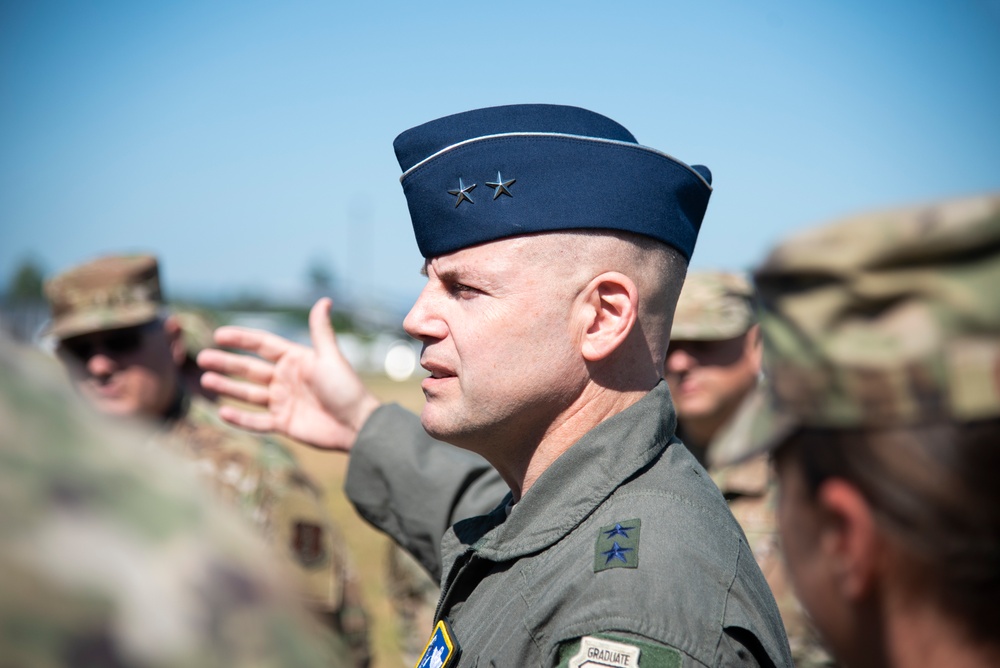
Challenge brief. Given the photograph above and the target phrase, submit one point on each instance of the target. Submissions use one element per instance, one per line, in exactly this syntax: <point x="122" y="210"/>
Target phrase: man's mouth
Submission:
<point x="437" y="371"/>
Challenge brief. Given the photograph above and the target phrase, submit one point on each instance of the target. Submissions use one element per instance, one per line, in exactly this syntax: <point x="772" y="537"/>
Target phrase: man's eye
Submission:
<point x="462" y="290"/>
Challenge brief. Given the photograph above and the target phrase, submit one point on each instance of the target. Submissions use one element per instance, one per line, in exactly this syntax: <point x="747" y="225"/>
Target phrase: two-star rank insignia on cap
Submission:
<point x="442" y="649"/>
<point x="617" y="546"/>
<point x="500" y="187"/>
<point x="462" y="193"/>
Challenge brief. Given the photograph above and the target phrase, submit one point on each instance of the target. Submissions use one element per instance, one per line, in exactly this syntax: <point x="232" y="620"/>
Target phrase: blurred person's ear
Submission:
<point x="849" y="538"/>
<point x="175" y="339"/>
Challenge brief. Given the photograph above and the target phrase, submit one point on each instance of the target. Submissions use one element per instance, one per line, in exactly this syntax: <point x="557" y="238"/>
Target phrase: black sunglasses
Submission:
<point x="111" y="342"/>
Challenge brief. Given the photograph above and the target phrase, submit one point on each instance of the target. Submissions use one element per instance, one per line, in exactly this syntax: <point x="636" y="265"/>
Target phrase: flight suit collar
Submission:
<point x="574" y="485"/>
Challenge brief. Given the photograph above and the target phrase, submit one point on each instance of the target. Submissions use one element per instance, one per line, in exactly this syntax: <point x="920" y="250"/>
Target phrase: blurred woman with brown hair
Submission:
<point x="882" y="339"/>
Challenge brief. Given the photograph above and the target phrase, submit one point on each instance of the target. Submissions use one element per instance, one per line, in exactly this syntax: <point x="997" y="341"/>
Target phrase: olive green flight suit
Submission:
<point x="527" y="585"/>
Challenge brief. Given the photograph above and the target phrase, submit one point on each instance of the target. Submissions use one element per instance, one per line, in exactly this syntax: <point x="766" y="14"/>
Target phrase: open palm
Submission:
<point x="309" y="394"/>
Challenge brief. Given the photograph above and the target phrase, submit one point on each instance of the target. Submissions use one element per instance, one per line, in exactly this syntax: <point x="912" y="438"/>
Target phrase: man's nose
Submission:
<point x="679" y="360"/>
<point x="100" y="364"/>
<point x="423" y="322"/>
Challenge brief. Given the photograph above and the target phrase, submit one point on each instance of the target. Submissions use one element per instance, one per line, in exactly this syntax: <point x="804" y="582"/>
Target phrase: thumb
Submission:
<point x="321" y="330"/>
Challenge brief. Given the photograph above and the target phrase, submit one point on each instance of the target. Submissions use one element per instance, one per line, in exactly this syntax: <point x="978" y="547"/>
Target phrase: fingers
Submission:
<point x="231" y="364"/>
<point x="269" y="346"/>
<point x="250" y="393"/>
<point x="321" y="330"/>
<point x="247" y="419"/>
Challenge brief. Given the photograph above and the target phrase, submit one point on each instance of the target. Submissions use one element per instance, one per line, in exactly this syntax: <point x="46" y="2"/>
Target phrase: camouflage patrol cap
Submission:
<point x="110" y="292"/>
<point x="713" y="306"/>
<point x="887" y="319"/>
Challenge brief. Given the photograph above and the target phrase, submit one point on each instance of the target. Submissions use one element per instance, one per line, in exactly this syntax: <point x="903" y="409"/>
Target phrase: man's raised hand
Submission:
<point x="310" y="394"/>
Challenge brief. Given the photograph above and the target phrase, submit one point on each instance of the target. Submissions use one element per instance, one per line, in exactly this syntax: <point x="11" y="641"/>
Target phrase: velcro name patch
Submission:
<point x="598" y="653"/>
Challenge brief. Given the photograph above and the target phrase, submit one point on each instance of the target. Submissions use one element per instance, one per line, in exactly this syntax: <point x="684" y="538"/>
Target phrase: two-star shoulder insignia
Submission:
<point x="617" y="546"/>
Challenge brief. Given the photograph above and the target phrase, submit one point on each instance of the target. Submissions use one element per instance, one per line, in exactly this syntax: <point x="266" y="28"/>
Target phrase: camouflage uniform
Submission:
<point x="258" y="475"/>
<point x="886" y="319"/>
<point x="717" y="306"/>
<point x="261" y="477"/>
<point x="414" y="596"/>
<point x="111" y="556"/>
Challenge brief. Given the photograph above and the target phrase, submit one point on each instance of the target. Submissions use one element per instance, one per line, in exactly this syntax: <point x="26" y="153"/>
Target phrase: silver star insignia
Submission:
<point x="500" y="186"/>
<point x="462" y="193"/>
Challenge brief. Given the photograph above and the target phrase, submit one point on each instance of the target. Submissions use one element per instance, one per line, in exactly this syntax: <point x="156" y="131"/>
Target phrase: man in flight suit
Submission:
<point x="555" y="247"/>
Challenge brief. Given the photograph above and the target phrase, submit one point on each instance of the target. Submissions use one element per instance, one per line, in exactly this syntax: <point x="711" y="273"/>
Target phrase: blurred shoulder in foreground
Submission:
<point x="110" y="555"/>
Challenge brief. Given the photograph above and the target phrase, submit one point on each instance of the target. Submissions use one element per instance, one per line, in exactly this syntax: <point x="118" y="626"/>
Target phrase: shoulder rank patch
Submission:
<point x="617" y="546"/>
<point x="442" y="649"/>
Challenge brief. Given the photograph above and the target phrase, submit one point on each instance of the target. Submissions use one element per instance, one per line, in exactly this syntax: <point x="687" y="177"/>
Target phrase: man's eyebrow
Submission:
<point x="462" y="271"/>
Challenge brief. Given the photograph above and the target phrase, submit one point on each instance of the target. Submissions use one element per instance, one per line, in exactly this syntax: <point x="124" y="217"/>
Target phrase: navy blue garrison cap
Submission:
<point x="502" y="171"/>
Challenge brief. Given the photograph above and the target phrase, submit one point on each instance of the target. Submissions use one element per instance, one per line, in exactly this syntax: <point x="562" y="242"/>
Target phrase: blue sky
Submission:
<point x="242" y="141"/>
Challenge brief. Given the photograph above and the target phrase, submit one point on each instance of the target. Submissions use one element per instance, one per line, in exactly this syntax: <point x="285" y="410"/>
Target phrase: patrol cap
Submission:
<point x="498" y="172"/>
<point x="713" y="306"/>
<point x="106" y="293"/>
<point x="887" y="319"/>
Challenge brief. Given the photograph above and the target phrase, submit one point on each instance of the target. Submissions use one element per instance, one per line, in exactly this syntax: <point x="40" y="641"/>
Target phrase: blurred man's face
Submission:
<point x="131" y="371"/>
<point x="709" y="379"/>
<point x="497" y="344"/>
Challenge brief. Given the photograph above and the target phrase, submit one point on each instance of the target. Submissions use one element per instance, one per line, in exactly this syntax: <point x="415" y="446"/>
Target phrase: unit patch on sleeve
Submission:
<point x="617" y="546"/>
<point x="442" y="649"/>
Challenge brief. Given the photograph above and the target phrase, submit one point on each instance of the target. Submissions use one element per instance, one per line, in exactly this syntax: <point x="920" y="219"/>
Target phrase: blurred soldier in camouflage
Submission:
<point x="882" y="350"/>
<point x="713" y="369"/>
<point x="196" y="329"/>
<point x="124" y="356"/>
<point x="110" y="555"/>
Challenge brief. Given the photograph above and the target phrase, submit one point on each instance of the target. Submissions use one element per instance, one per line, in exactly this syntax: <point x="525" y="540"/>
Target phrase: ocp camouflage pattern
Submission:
<point x="713" y="306"/>
<point x="111" y="555"/>
<point x="259" y="475"/>
<point x="890" y="318"/>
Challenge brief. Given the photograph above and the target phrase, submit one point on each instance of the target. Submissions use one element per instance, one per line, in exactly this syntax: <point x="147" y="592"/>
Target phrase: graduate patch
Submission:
<point x="442" y="649"/>
<point x="597" y="653"/>
<point x="617" y="546"/>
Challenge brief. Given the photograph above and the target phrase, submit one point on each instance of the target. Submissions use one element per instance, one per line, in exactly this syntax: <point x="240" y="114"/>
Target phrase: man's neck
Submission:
<point x="522" y="465"/>
<point x="177" y="406"/>
<point x="921" y="635"/>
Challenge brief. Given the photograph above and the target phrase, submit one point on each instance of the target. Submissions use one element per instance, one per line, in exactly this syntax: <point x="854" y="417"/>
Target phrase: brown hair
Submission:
<point x="935" y="490"/>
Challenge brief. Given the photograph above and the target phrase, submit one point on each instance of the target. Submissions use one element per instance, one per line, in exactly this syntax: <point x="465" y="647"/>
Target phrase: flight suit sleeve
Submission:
<point x="413" y="487"/>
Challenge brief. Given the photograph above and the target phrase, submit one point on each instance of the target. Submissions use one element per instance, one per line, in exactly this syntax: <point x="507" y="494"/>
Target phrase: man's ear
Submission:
<point x="175" y="339"/>
<point x="850" y="539"/>
<point x="609" y="310"/>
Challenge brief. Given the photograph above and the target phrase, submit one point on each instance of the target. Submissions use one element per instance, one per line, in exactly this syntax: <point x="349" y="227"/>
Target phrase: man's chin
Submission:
<point x="694" y="410"/>
<point x="443" y="429"/>
<point x="116" y="408"/>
